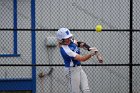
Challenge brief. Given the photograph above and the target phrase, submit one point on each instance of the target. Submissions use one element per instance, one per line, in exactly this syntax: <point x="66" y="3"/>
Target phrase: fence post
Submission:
<point x="131" y="47"/>
<point x="33" y="46"/>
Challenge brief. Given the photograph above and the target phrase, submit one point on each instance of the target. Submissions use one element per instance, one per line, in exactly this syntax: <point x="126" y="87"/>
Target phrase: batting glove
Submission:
<point x="93" y="51"/>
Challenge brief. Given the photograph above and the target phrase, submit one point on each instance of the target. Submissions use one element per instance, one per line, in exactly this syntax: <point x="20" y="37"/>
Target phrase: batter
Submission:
<point x="70" y="52"/>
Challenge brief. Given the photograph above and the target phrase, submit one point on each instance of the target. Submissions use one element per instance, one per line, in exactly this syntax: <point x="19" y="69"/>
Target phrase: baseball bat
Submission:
<point x="99" y="57"/>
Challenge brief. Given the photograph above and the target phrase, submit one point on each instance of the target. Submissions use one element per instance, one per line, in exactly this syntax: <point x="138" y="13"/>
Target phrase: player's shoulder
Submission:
<point x="65" y="49"/>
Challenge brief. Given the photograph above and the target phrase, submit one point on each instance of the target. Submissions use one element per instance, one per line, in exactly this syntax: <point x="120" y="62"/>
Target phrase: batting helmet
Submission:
<point x="63" y="33"/>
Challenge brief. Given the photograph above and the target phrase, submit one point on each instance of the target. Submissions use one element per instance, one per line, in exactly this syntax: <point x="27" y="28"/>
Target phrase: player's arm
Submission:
<point x="84" y="57"/>
<point x="87" y="56"/>
<point x="76" y="56"/>
<point x="87" y="47"/>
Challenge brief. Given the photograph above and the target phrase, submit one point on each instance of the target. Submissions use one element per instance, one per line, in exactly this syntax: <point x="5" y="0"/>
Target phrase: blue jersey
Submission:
<point x="68" y="53"/>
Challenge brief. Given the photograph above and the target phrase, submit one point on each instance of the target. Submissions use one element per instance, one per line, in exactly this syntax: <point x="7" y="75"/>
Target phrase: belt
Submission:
<point x="76" y="65"/>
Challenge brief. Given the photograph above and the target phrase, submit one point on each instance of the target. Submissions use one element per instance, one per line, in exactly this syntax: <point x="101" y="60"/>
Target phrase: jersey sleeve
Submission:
<point x="69" y="52"/>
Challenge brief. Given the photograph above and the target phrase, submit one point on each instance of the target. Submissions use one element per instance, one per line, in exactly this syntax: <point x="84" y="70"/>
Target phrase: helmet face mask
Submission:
<point x="63" y="33"/>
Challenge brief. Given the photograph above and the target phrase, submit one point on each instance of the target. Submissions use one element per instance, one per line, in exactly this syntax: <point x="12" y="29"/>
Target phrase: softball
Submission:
<point x="98" y="28"/>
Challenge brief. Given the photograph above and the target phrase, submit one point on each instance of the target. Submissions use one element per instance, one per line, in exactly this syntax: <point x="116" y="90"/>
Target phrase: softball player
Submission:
<point x="70" y="52"/>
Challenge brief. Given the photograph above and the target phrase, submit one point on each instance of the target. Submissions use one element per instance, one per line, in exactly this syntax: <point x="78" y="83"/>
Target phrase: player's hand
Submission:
<point x="94" y="49"/>
<point x="98" y="55"/>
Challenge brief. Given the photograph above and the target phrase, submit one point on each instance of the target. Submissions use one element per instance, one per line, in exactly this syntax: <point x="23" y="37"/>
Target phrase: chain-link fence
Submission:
<point x="26" y="25"/>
